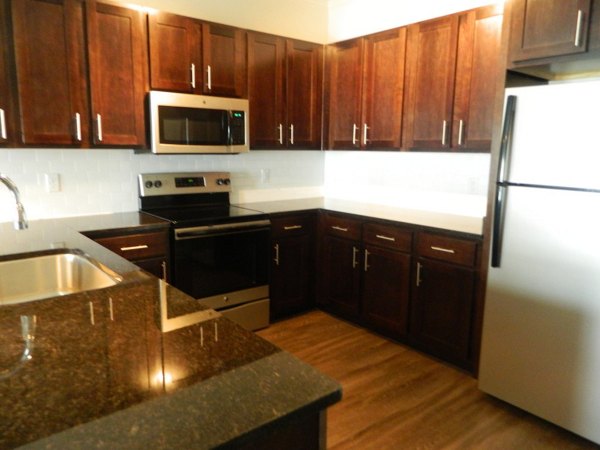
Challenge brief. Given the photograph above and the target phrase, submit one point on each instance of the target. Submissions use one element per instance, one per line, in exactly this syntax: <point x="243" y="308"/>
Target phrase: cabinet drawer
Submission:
<point x="137" y="246"/>
<point x="387" y="236"/>
<point x="291" y="225"/>
<point x="444" y="248"/>
<point x="342" y="226"/>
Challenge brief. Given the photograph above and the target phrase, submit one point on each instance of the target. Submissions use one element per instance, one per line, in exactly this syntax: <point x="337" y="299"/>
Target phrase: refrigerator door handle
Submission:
<point x="498" y="225"/>
<point x="507" y="130"/>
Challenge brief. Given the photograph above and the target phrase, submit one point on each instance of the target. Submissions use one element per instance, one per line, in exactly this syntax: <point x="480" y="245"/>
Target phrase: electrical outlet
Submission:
<point x="265" y="175"/>
<point x="52" y="182"/>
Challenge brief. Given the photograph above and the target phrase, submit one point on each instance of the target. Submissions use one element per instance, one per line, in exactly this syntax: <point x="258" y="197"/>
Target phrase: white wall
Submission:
<point x="351" y="18"/>
<point x="102" y="181"/>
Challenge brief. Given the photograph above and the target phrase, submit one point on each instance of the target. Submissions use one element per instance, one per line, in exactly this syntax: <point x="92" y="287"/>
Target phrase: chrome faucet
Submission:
<point x="21" y="222"/>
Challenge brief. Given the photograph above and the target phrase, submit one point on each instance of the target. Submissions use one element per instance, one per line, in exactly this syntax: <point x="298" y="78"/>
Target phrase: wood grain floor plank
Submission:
<point x="397" y="398"/>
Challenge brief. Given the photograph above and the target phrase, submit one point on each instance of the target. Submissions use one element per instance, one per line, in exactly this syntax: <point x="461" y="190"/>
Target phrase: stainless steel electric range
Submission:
<point x="219" y="252"/>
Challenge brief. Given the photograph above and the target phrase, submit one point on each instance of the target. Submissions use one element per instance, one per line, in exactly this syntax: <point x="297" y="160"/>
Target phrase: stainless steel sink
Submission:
<point x="27" y="278"/>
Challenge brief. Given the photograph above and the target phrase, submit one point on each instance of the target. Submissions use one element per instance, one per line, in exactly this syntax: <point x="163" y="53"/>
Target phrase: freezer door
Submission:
<point x="541" y="334"/>
<point x="556" y="135"/>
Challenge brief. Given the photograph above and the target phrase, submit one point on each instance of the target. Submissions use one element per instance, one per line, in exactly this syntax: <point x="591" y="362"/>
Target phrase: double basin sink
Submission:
<point x="26" y="278"/>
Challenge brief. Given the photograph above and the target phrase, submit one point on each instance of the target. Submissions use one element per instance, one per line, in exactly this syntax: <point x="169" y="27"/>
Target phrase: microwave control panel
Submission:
<point x="237" y="121"/>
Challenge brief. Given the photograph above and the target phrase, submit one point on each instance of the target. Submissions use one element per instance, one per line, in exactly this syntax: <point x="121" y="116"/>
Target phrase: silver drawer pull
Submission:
<point x="442" y="249"/>
<point x="385" y="238"/>
<point x="335" y="227"/>
<point x="292" y="227"/>
<point x="578" y="28"/>
<point x="134" y="247"/>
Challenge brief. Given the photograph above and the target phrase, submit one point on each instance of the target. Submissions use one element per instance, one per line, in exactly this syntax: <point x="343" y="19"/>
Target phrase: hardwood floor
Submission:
<point x="397" y="398"/>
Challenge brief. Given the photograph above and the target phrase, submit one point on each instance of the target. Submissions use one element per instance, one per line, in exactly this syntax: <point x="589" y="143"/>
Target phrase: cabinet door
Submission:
<point x="291" y="275"/>
<point x="383" y="89"/>
<point x="385" y="290"/>
<point x="118" y="77"/>
<point x="174" y="70"/>
<point x="266" y="56"/>
<point x="7" y="108"/>
<point x="441" y="308"/>
<point x="340" y="272"/>
<point x="223" y="60"/>
<point x="430" y="72"/>
<point x="476" y="74"/>
<point x="344" y="79"/>
<point x="546" y="28"/>
<point x="51" y="73"/>
<point x="304" y="94"/>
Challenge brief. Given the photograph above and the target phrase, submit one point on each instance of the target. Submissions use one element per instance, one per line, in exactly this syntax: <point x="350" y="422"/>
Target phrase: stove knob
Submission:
<point x="148" y="184"/>
<point x="220" y="181"/>
<point x="226" y="181"/>
<point x="157" y="184"/>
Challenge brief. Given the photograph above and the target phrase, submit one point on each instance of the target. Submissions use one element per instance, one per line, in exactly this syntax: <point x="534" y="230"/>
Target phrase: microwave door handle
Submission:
<point x="229" y="120"/>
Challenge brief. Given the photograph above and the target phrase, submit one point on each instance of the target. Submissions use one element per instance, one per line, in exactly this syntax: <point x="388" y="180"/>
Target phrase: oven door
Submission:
<point x="225" y="264"/>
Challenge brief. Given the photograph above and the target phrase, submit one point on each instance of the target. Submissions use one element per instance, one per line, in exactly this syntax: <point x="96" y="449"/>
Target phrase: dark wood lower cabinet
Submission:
<point x="386" y="290"/>
<point x="442" y="305"/>
<point x="340" y="276"/>
<point x="292" y="266"/>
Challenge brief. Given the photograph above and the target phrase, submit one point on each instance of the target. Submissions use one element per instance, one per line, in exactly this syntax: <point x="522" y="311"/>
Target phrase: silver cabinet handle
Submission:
<point x="418" y="280"/>
<point x="354" y="257"/>
<point x="110" y="309"/>
<point x="444" y="128"/>
<point x="366" y="262"/>
<point x="292" y="227"/>
<point x="578" y="29"/>
<point x="209" y="77"/>
<point x="461" y="126"/>
<point x="335" y="227"/>
<point x="3" y="134"/>
<point x="280" y="128"/>
<point x="385" y="238"/>
<point x="193" y="72"/>
<point x="292" y="134"/>
<point x="354" y="130"/>
<point x="99" y="127"/>
<point x="134" y="247"/>
<point x="365" y="130"/>
<point x="442" y="249"/>
<point x="92" y="319"/>
<point x="78" y="127"/>
<point x="276" y="259"/>
<point x="164" y="270"/>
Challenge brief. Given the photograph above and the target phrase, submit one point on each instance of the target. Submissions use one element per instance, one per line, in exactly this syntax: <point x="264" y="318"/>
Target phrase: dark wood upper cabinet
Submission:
<point x="430" y="71"/>
<point x="304" y="87"/>
<point x="479" y="42"/>
<point x="383" y="89"/>
<point x="266" y="91"/>
<point x="175" y="70"/>
<point x="7" y="106"/>
<point x="366" y="86"/>
<point x="51" y="71"/>
<point x="344" y="84"/>
<point x="117" y="54"/>
<point x="548" y="28"/>
<point x="285" y="92"/>
<point x="224" y="60"/>
<point x="452" y="66"/>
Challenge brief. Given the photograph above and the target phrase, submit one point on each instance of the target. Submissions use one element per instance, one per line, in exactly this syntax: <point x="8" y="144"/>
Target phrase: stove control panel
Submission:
<point x="153" y="184"/>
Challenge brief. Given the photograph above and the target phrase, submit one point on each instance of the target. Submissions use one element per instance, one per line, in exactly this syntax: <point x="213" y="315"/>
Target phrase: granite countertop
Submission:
<point x="139" y="364"/>
<point x="433" y="219"/>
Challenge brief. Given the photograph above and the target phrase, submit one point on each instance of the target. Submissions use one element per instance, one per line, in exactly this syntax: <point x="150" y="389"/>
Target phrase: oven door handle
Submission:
<point x="203" y="231"/>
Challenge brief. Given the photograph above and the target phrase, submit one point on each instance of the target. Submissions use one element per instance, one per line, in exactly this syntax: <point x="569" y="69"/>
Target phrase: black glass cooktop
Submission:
<point x="202" y="215"/>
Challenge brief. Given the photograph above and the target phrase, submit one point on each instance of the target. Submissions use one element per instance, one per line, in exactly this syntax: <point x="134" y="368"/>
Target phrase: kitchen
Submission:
<point x="104" y="181"/>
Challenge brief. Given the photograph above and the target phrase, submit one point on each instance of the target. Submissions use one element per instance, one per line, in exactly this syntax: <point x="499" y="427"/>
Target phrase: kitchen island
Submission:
<point x="142" y="365"/>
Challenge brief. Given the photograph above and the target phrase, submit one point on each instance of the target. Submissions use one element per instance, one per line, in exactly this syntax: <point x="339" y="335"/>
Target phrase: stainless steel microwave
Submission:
<point x="187" y="123"/>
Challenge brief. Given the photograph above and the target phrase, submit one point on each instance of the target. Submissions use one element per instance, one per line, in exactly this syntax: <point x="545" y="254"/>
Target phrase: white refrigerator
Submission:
<point x="541" y="329"/>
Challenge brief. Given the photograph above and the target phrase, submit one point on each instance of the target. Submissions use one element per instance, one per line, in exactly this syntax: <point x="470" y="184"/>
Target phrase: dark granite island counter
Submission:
<point x="142" y="365"/>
